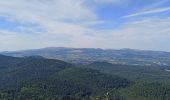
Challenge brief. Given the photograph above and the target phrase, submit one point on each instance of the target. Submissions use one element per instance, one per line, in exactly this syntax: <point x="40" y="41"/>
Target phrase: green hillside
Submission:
<point x="37" y="78"/>
<point x="40" y="79"/>
<point x="147" y="91"/>
<point x="133" y="72"/>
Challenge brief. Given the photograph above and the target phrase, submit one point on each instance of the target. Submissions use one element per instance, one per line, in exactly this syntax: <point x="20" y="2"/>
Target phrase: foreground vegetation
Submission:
<point x="36" y="78"/>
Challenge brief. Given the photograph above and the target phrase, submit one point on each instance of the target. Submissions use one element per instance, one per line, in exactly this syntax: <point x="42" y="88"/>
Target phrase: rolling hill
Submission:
<point x="150" y="73"/>
<point x="36" y="78"/>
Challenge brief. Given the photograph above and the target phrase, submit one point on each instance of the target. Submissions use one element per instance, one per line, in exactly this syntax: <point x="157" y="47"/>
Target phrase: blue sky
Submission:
<point x="116" y="24"/>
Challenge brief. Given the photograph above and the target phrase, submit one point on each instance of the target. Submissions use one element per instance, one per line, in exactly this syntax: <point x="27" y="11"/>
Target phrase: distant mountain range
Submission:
<point x="89" y="55"/>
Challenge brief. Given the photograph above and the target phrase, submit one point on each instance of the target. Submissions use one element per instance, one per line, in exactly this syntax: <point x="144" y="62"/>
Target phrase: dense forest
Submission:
<point x="37" y="78"/>
<point x="149" y="73"/>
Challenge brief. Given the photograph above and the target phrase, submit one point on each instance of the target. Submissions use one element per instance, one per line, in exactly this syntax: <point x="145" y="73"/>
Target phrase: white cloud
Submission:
<point x="108" y="1"/>
<point x="68" y="23"/>
<point x="156" y="10"/>
<point x="51" y="15"/>
<point x="51" y="9"/>
<point x="57" y="18"/>
<point x="149" y="33"/>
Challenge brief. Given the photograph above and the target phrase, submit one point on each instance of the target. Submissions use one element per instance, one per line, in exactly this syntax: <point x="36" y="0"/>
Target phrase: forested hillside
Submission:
<point x="35" y="78"/>
<point x="147" y="91"/>
<point x="150" y="73"/>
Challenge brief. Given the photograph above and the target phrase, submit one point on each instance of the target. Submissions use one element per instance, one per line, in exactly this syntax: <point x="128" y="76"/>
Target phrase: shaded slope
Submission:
<point x="132" y="72"/>
<point x="39" y="78"/>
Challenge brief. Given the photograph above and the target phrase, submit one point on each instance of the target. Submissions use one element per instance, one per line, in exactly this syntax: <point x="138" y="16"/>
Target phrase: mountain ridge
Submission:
<point x="88" y="55"/>
<point x="6" y="51"/>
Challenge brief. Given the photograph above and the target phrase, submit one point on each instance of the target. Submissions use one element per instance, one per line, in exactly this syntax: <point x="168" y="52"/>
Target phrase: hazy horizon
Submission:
<point x="82" y="48"/>
<point x="107" y="24"/>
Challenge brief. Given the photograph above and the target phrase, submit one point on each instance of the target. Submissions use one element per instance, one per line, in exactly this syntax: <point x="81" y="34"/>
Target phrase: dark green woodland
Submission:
<point x="37" y="78"/>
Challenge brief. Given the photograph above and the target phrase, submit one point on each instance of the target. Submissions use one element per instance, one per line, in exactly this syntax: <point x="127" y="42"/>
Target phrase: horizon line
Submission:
<point x="29" y="49"/>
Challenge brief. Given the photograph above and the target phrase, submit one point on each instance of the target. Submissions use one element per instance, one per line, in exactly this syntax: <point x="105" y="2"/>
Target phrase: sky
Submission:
<point x="113" y="24"/>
